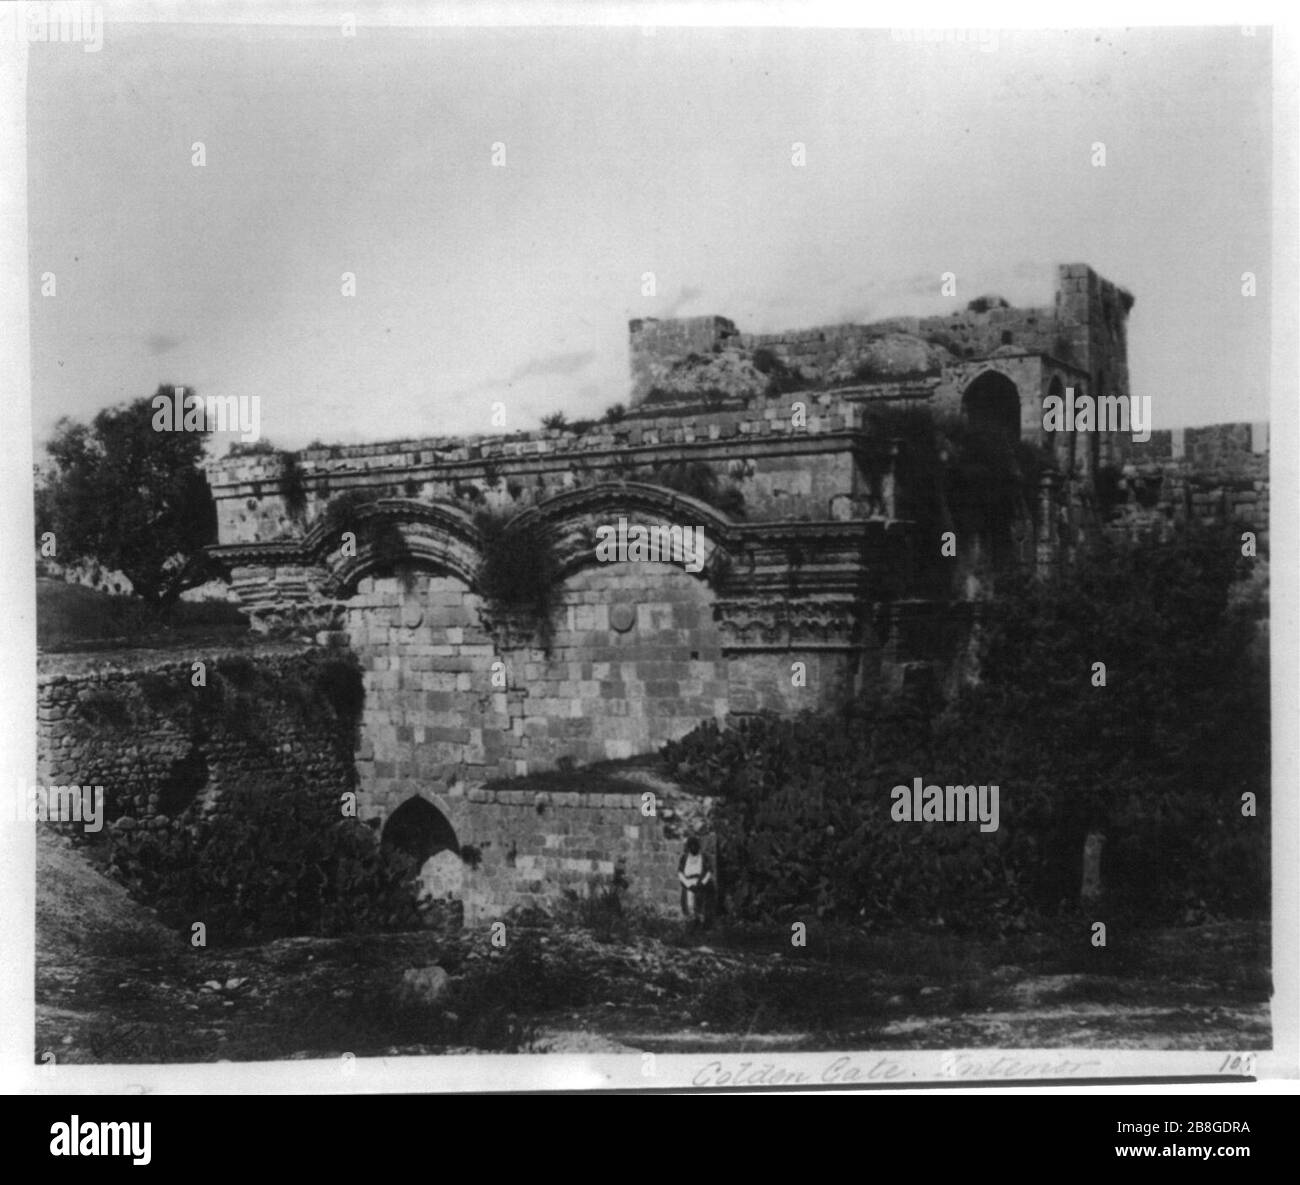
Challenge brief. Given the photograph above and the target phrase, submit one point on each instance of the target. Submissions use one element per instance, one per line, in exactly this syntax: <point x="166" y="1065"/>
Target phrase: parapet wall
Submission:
<point x="1239" y="450"/>
<point x="1217" y="473"/>
<point x="532" y="847"/>
<point x="783" y="470"/>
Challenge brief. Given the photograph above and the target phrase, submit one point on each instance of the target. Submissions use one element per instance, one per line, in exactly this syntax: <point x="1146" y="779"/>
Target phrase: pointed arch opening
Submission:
<point x="420" y="830"/>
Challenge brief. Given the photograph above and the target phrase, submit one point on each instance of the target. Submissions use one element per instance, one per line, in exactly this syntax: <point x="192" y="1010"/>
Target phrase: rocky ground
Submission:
<point x="113" y="986"/>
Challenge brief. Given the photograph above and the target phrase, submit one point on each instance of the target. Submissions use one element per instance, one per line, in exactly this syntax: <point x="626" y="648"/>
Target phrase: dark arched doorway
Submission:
<point x="992" y="403"/>
<point x="986" y="486"/>
<point x="421" y="832"/>
<point x="419" y="829"/>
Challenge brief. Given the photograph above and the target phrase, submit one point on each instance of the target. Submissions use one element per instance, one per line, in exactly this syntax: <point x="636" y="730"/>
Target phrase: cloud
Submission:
<point x="554" y="364"/>
<point x="161" y="343"/>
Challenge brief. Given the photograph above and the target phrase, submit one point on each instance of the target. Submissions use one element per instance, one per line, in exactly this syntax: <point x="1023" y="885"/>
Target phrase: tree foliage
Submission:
<point x="131" y="498"/>
<point x="1156" y="759"/>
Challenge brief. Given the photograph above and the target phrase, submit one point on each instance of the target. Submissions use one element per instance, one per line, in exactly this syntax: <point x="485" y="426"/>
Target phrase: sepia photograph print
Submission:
<point x="640" y="553"/>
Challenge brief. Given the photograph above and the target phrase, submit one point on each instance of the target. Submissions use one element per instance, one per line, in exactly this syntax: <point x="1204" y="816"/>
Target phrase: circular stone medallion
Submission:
<point x="622" y="617"/>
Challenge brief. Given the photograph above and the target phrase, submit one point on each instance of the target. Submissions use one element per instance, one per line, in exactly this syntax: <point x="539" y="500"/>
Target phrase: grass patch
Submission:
<point x="74" y="617"/>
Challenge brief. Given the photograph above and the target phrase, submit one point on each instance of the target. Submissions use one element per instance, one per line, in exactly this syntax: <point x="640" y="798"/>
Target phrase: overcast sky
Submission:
<point x="625" y="153"/>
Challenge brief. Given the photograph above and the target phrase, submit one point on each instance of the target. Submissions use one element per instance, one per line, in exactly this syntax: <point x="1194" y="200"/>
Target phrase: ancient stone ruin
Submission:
<point x="829" y="555"/>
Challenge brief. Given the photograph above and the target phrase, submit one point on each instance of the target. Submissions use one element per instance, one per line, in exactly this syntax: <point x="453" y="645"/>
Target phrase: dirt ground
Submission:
<point x="115" y="986"/>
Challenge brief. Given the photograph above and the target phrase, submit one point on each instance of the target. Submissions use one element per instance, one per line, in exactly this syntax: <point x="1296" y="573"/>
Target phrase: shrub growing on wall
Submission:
<point x="343" y="513"/>
<point x="781" y="378"/>
<point x="697" y="480"/>
<point x="518" y="571"/>
<point x="293" y="486"/>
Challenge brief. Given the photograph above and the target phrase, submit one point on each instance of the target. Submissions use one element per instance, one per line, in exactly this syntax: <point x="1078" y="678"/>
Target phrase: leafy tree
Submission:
<point x="1159" y="754"/>
<point x="120" y="493"/>
<point x="1155" y="750"/>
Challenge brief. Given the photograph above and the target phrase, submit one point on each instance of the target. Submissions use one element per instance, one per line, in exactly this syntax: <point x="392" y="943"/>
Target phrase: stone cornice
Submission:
<point x="722" y="448"/>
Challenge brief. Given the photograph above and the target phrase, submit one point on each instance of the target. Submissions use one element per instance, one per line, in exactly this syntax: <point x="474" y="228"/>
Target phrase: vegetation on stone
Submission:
<point x="518" y="570"/>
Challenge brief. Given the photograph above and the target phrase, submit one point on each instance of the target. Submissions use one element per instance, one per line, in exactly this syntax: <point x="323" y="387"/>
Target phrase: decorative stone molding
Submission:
<point x="763" y="623"/>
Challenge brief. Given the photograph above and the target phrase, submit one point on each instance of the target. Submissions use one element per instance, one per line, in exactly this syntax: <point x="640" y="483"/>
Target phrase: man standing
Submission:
<point x="696" y="875"/>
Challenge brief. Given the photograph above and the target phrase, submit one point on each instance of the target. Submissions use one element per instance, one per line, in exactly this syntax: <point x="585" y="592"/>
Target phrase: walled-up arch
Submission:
<point x="992" y="402"/>
<point x="571" y="520"/>
<point x="443" y="539"/>
<point x="438" y="537"/>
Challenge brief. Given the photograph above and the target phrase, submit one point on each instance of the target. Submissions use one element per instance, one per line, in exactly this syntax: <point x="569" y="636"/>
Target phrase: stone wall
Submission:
<point x="780" y="616"/>
<point x="654" y="345"/>
<point x="1092" y="321"/>
<point x="636" y="659"/>
<point x="164" y="753"/>
<point x="1229" y="449"/>
<point x="530" y="847"/>
<point x="1086" y="327"/>
<point x="782" y="470"/>
<point x="816" y="353"/>
<point x="163" y="748"/>
<point x="1217" y="473"/>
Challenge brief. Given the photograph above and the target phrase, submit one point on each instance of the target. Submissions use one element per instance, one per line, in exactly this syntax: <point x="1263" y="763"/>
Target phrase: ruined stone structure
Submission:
<point x="822" y="575"/>
<point x="1081" y="338"/>
<point x="165" y="753"/>
<point x="1198" y="475"/>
